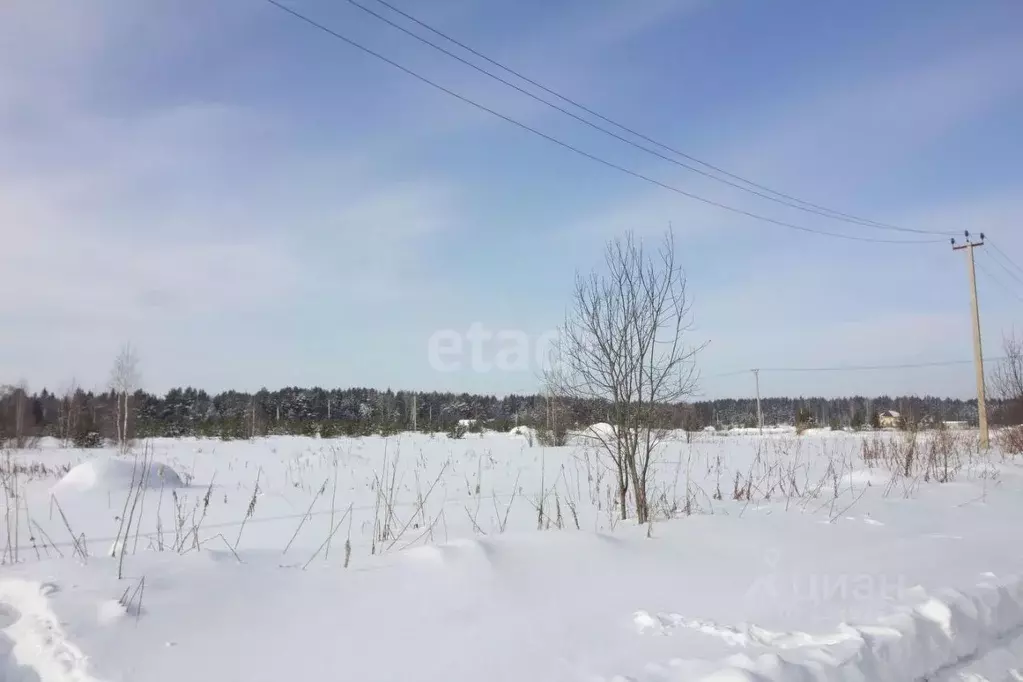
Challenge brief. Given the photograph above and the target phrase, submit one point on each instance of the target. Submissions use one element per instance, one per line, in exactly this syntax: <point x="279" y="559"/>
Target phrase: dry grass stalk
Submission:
<point x="124" y="511"/>
<point x="333" y="494"/>
<point x="420" y="507"/>
<point x="305" y="516"/>
<point x="502" y="519"/>
<point x="128" y="601"/>
<point x="251" y="508"/>
<point x="79" y="544"/>
<point x="9" y="482"/>
<point x="472" y="519"/>
<point x="1010" y="440"/>
<point x="226" y="544"/>
<point x="197" y="525"/>
<point x="327" y="540"/>
<point x="138" y="486"/>
<point x="48" y="540"/>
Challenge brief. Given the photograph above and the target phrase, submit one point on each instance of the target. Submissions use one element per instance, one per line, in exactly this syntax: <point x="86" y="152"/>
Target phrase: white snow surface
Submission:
<point x="113" y="472"/>
<point x="837" y="568"/>
<point x="526" y="432"/>
<point x="600" y="431"/>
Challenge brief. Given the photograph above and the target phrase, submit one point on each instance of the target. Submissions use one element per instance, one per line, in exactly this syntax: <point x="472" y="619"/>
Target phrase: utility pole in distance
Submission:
<point x="760" y="413"/>
<point x="978" y="353"/>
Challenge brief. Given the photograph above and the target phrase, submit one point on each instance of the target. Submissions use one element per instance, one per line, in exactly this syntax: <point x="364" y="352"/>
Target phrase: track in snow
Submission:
<point x="33" y="647"/>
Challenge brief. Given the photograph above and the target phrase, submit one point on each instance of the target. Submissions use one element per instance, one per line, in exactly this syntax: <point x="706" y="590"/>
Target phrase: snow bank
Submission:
<point x="943" y="631"/>
<point x="519" y="607"/>
<point x="114" y="473"/>
<point x="526" y="432"/>
<point x="600" y="431"/>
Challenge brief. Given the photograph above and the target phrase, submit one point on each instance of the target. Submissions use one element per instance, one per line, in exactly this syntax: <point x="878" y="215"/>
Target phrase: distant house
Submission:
<point x="890" y="419"/>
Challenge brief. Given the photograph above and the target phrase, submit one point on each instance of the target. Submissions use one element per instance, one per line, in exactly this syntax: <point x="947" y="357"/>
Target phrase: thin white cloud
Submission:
<point x="864" y="339"/>
<point x="849" y="132"/>
<point x="562" y="51"/>
<point x="622" y="22"/>
<point x="828" y="144"/>
<point x="381" y="242"/>
<point x="179" y="224"/>
<point x="49" y="47"/>
<point x="187" y="223"/>
<point x="999" y="213"/>
<point x="67" y="268"/>
<point x="886" y="306"/>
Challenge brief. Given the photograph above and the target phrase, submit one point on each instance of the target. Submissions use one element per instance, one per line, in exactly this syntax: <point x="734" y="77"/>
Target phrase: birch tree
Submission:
<point x="624" y="343"/>
<point x="67" y="415"/>
<point x="1007" y="378"/>
<point x="124" y="381"/>
<point x="17" y="430"/>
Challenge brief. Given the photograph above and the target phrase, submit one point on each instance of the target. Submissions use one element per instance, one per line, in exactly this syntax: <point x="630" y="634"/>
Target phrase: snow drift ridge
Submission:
<point x="912" y="644"/>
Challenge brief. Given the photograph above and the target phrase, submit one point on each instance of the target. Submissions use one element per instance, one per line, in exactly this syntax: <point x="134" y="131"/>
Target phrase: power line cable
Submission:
<point x="1007" y="270"/>
<point x="1001" y="254"/>
<point x="870" y="368"/>
<point x="999" y="282"/>
<point x="1004" y="255"/>
<point x="781" y="198"/>
<point x="856" y="368"/>
<point x="823" y="209"/>
<point x="727" y="374"/>
<point x="581" y="152"/>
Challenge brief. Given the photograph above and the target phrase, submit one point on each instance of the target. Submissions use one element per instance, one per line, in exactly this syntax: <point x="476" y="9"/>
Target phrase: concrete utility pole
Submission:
<point x="978" y="353"/>
<point x="760" y="413"/>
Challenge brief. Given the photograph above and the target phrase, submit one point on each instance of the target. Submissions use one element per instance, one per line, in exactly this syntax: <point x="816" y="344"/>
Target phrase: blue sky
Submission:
<point x="251" y="202"/>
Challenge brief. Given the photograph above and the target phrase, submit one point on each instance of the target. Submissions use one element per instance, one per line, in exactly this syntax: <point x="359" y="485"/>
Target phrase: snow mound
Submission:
<point x="526" y="432"/>
<point x="600" y="431"/>
<point x="112" y="473"/>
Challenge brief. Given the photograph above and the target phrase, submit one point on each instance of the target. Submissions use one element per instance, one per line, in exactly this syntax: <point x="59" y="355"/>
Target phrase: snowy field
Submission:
<point x="820" y="556"/>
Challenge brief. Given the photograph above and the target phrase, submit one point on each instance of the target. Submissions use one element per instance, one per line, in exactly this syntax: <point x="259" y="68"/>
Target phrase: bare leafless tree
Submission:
<point x="67" y="417"/>
<point x="1007" y="379"/>
<point x="624" y="344"/>
<point x="16" y="427"/>
<point x="124" y="380"/>
<point x="13" y="424"/>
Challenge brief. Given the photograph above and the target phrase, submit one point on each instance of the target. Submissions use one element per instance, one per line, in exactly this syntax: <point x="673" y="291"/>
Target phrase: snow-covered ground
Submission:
<point x="821" y="556"/>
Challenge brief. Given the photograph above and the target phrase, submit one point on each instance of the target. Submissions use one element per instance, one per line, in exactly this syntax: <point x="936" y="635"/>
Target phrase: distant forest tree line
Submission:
<point x="88" y="419"/>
